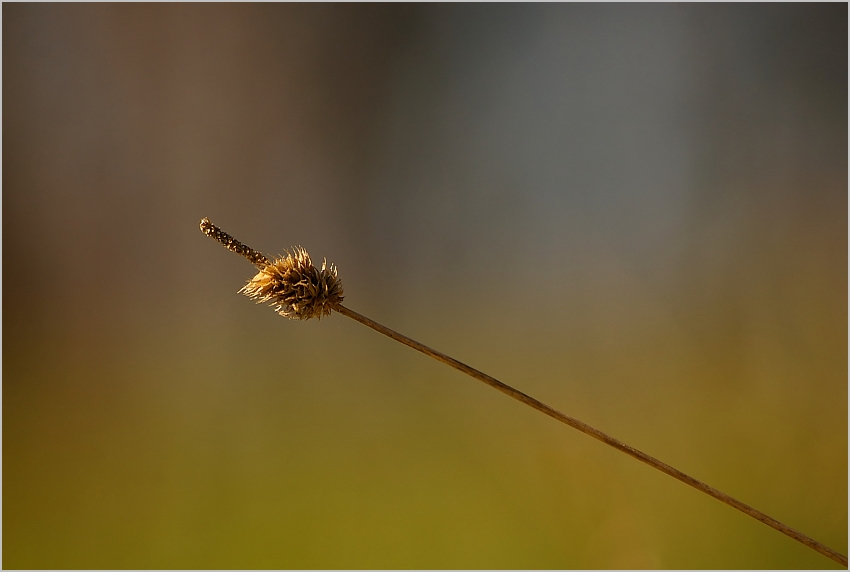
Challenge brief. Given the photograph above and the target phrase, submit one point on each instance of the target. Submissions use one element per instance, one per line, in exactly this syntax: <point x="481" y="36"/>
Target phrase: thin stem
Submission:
<point x="596" y="434"/>
<point x="261" y="261"/>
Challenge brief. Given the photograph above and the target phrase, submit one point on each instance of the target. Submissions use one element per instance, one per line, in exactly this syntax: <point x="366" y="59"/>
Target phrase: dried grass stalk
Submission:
<point x="299" y="290"/>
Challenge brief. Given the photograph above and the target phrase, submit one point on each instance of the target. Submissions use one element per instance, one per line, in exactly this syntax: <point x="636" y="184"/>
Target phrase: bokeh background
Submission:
<point x="636" y="213"/>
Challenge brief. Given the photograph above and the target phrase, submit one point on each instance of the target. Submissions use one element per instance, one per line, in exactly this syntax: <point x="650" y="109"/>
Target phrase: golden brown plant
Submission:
<point x="299" y="290"/>
<point x="295" y="287"/>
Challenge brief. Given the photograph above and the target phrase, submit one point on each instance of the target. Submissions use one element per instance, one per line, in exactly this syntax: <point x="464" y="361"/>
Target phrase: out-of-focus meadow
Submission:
<point x="635" y="213"/>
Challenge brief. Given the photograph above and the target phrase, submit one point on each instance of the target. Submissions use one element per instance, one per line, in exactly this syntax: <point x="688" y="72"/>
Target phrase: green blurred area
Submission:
<point x="637" y="214"/>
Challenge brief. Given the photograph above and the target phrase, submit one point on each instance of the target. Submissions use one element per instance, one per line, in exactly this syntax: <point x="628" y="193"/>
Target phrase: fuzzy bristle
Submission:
<point x="297" y="289"/>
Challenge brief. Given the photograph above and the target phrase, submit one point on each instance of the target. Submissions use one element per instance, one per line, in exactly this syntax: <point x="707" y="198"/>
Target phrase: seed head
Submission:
<point x="232" y="244"/>
<point x="297" y="289"/>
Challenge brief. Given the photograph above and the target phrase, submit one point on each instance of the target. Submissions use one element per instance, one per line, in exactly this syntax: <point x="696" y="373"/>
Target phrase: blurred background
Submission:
<point x="635" y="213"/>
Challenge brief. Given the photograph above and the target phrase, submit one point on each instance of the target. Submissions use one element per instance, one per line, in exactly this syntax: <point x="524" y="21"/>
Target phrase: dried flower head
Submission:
<point x="297" y="289"/>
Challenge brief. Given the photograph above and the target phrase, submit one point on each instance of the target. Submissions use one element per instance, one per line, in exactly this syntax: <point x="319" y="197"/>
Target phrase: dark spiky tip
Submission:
<point x="295" y="287"/>
<point x="230" y="243"/>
